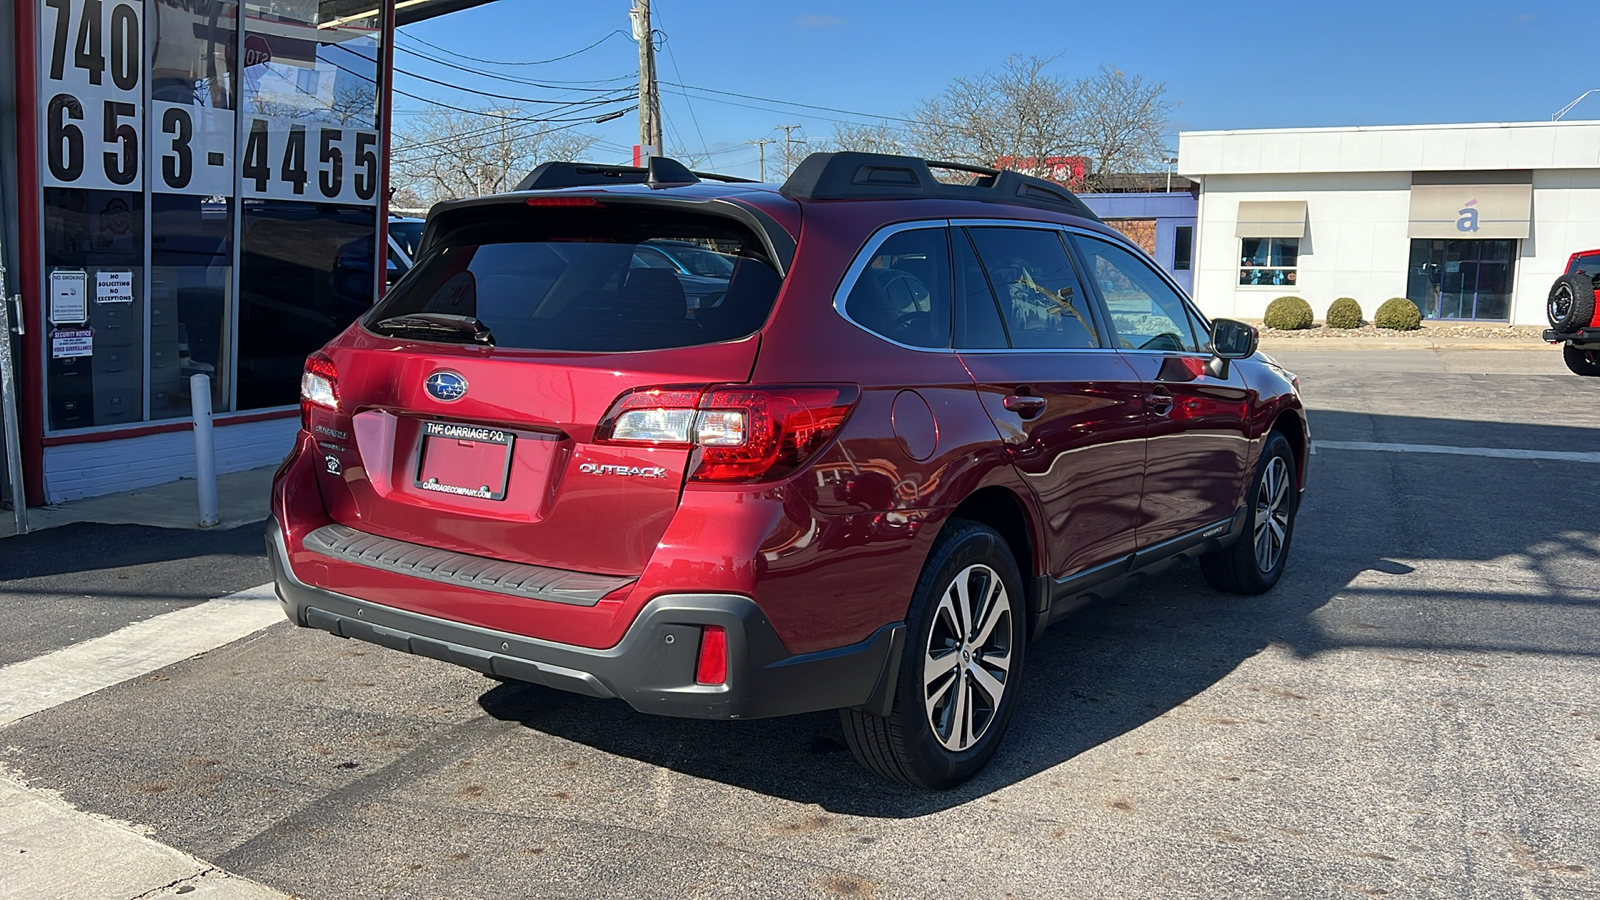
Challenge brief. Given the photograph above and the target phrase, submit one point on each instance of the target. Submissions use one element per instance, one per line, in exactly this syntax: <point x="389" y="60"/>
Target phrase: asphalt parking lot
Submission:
<point x="1413" y="712"/>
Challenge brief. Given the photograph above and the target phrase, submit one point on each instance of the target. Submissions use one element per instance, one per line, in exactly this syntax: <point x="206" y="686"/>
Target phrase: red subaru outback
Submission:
<point x="885" y="430"/>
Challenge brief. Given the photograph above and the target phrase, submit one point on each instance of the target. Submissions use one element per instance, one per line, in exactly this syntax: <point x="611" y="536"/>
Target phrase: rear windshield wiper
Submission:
<point x="438" y="324"/>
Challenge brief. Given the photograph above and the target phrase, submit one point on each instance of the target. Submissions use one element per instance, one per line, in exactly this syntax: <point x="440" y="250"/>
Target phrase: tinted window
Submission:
<point x="978" y="319"/>
<point x="1588" y="265"/>
<point x="904" y="292"/>
<point x="1041" y="301"/>
<point x="1146" y="312"/>
<point x="548" y="280"/>
<point x="1182" y="247"/>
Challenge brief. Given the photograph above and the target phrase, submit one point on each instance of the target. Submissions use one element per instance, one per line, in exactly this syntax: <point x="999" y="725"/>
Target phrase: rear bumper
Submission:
<point x="1583" y="336"/>
<point x="652" y="668"/>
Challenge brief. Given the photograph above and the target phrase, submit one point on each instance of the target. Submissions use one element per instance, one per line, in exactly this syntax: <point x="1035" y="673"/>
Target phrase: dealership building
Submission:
<point x="187" y="187"/>
<point x="1472" y="222"/>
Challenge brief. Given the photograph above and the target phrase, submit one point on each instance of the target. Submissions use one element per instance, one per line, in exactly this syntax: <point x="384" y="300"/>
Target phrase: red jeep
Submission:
<point x="1574" y="319"/>
<point x="894" y="429"/>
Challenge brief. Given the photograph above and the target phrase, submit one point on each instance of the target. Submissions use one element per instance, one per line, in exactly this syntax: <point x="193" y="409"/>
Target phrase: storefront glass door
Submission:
<point x="1462" y="279"/>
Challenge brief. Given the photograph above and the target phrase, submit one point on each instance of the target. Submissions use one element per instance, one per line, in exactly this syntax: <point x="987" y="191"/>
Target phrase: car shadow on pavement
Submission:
<point x="79" y="547"/>
<point x="1392" y="550"/>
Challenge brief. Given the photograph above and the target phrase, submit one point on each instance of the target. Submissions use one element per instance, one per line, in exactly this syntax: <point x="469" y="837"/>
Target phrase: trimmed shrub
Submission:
<point x="1288" y="314"/>
<point x="1398" y="314"/>
<point x="1344" y="312"/>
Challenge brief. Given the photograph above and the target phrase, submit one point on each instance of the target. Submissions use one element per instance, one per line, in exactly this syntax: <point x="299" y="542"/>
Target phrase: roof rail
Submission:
<point x="877" y="176"/>
<point x="658" y="171"/>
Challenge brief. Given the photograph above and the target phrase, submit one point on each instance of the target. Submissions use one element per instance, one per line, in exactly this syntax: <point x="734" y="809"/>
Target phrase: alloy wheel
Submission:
<point x="1560" y="305"/>
<point x="1272" y="514"/>
<point x="967" y="663"/>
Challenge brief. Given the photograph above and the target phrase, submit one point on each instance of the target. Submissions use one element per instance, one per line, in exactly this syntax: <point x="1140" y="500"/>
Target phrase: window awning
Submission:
<point x="1467" y="211"/>
<point x="1272" y="218"/>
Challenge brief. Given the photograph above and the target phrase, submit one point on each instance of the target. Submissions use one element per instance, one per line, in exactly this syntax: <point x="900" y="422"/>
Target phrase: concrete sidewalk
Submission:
<point x="241" y="499"/>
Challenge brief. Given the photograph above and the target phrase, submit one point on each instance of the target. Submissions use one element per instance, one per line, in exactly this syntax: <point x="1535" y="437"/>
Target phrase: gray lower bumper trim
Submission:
<point x="515" y="579"/>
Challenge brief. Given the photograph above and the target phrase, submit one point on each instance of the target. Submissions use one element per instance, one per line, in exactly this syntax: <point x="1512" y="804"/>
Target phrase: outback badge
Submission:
<point x="446" y="386"/>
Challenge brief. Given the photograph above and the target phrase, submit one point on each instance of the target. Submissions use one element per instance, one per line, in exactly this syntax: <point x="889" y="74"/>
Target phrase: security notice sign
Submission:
<point x="91" y="63"/>
<point x="66" y="343"/>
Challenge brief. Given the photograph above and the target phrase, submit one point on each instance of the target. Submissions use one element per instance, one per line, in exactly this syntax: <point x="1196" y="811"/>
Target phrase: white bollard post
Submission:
<point x="205" y="452"/>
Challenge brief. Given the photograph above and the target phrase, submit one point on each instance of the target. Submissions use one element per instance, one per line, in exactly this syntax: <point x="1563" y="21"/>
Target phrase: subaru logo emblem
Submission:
<point x="446" y="386"/>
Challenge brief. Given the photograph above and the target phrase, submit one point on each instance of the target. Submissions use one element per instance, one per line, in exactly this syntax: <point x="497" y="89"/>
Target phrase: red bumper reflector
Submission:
<point x="712" y="668"/>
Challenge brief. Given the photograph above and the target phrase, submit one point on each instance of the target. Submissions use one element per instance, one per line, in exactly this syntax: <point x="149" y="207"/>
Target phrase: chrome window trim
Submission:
<point x="859" y="265"/>
<point x="865" y="254"/>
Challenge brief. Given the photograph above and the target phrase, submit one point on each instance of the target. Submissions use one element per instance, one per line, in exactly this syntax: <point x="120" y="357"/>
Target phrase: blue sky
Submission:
<point x="1239" y="65"/>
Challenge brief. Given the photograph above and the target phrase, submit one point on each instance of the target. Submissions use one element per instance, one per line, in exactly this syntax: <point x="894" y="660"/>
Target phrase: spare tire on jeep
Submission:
<point x="1571" y="303"/>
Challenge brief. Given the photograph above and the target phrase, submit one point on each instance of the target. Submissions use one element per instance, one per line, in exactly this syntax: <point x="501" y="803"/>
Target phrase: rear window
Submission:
<point x="1588" y="265"/>
<point x="590" y="280"/>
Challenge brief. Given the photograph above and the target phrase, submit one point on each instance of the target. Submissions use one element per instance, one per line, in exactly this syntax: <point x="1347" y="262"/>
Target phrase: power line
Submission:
<point x="537" y="62"/>
<point x="666" y="41"/>
<point x="483" y="93"/>
<point x="503" y="120"/>
<point x="440" y="155"/>
<point x="548" y="84"/>
<point x="847" y="112"/>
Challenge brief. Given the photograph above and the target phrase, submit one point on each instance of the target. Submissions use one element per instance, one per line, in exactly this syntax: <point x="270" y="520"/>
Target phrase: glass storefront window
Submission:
<point x="1450" y="279"/>
<point x="210" y="198"/>
<point x="94" y="248"/>
<point x="1273" y="261"/>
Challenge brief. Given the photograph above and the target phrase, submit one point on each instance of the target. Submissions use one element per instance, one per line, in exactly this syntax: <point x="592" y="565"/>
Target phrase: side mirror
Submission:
<point x="1231" y="339"/>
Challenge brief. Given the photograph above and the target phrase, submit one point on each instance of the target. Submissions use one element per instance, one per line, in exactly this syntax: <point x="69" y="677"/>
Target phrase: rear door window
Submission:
<point x="903" y="294"/>
<point x="1588" y="264"/>
<point x="1042" y="302"/>
<point x="585" y="281"/>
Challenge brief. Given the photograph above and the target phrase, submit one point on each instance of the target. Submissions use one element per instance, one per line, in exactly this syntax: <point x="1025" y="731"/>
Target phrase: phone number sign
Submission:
<point x="97" y="132"/>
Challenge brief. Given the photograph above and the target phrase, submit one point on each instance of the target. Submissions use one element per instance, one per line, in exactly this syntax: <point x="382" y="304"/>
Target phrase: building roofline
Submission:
<point x="1450" y="126"/>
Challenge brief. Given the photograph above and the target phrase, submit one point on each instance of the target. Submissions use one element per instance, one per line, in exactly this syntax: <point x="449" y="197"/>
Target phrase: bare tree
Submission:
<point x="445" y="153"/>
<point x="879" y="138"/>
<point x="1019" y="116"/>
<point x="1120" y="123"/>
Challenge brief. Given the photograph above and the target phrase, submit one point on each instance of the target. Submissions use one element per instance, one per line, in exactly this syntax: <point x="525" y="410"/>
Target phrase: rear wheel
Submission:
<point x="1581" y="360"/>
<point x="1571" y="303"/>
<point x="1255" y="562"/>
<point x="958" y="675"/>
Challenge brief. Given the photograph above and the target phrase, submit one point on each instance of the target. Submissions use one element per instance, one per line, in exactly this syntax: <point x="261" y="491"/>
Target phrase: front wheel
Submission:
<point x="1581" y="360"/>
<point x="1255" y="562"/>
<point x="958" y="674"/>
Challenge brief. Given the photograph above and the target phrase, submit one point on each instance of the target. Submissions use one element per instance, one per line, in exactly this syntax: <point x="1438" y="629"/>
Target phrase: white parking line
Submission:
<point x="1501" y="452"/>
<point x="38" y="684"/>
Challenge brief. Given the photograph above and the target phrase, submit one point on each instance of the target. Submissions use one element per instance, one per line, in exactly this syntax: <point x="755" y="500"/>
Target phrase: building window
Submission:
<point x="1182" y="248"/>
<point x="1450" y="279"/>
<point x="1272" y="261"/>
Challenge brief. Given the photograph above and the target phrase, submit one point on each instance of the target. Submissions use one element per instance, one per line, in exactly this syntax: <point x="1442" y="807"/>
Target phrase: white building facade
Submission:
<point x="1472" y="222"/>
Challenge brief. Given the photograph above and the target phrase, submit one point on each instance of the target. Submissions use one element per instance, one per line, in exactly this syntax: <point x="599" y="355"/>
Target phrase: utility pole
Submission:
<point x="788" y="153"/>
<point x="649" y="94"/>
<point x="762" y="146"/>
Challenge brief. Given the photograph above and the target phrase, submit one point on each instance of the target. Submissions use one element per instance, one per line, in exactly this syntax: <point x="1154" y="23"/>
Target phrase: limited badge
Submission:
<point x="334" y="466"/>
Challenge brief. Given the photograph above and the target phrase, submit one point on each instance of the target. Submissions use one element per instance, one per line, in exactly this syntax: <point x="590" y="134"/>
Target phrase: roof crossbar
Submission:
<point x="878" y="176"/>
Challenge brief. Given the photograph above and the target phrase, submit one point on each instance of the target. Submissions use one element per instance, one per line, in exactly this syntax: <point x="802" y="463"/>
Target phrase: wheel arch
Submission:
<point x="1291" y="423"/>
<point x="1003" y="510"/>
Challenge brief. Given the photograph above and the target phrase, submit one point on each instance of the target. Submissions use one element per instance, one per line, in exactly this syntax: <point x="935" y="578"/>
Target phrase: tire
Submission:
<point x="1571" y="303"/>
<point x="941" y="744"/>
<point x="1255" y="562"/>
<point x="1581" y="360"/>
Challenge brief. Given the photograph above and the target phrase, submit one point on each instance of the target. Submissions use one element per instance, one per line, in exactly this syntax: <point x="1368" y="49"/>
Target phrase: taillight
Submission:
<point x="739" y="434"/>
<point x="712" y="666"/>
<point x="319" y="386"/>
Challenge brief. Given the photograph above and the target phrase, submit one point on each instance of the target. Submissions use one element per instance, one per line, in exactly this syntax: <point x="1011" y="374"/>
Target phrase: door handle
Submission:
<point x="1159" y="401"/>
<point x="1024" y="405"/>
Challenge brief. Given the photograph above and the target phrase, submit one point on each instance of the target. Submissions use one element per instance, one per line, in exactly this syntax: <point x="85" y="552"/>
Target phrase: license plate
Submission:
<point x="464" y="460"/>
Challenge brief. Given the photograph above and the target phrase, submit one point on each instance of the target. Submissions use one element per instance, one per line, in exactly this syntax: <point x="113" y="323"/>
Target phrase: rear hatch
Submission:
<point x="466" y="405"/>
